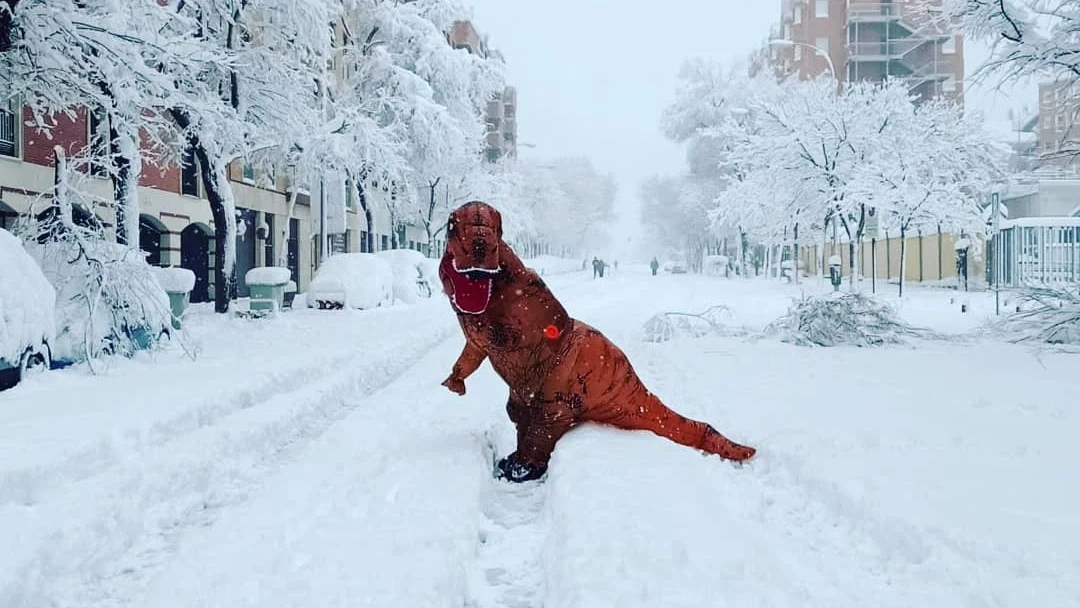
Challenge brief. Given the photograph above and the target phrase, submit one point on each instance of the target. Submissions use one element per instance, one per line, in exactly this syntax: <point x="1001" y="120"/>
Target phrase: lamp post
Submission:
<point x="783" y="44"/>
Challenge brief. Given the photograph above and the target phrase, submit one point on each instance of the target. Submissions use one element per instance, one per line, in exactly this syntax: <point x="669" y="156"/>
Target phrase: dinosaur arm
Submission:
<point x="470" y="359"/>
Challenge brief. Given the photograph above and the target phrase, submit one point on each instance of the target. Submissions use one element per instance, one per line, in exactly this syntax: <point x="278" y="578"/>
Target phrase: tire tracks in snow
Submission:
<point x="112" y="526"/>
<point x="26" y="487"/>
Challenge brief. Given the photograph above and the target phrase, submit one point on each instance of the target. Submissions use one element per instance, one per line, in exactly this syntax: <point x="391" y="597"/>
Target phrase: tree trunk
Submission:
<point x="7" y="16"/>
<point x="903" y="257"/>
<point x="127" y="166"/>
<point x="215" y="184"/>
<point x="795" y="254"/>
<point x="283" y="250"/>
<point x="369" y="218"/>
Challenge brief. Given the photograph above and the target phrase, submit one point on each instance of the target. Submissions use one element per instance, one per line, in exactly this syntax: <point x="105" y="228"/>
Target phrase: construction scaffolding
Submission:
<point x="883" y="41"/>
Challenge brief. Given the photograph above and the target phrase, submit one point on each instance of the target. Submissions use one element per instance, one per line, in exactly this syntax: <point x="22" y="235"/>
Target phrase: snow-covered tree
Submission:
<point x="930" y="169"/>
<point x="786" y="158"/>
<point x="1028" y="39"/>
<point x="100" y="58"/>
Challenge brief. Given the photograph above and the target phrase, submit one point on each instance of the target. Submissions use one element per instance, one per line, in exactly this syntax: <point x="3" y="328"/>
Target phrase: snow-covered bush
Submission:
<point x="353" y="280"/>
<point x="1047" y="315"/>
<point x="27" y="305"/>
<point x="108" y="299"/>
<point x="413" y="278"/>
<point x="669" y="325"/>
<point x="849" y="319"/>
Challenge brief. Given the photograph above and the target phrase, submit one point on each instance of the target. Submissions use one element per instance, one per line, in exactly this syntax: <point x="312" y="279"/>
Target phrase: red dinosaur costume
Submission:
<point x="561" y="372"/>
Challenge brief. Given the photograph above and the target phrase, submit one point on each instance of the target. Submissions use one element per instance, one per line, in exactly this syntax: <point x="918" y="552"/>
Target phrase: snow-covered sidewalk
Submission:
<point x="929" y="476"/>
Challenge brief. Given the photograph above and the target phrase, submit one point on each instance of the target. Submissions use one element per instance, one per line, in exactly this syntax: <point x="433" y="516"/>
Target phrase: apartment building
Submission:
<point x="501" y="112"/>
<point x="869" y="40"/>
<point x="1058" y="130"/>
<point x="175" y="224"/>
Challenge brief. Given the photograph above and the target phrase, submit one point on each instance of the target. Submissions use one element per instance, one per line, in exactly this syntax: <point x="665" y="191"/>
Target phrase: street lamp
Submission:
<point x="784" y="44"/>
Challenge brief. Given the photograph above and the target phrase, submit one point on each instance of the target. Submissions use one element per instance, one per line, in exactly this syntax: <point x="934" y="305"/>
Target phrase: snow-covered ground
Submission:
<point x="314" y="460"/>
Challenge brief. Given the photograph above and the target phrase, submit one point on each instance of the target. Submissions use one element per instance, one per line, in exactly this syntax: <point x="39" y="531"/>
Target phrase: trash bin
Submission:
<point x="266" y="286"/>
<point x="178" y="283"/>
<point x="835" y="274"/>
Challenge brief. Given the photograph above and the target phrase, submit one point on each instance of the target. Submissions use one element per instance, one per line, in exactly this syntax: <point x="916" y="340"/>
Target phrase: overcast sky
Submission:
<point x="593" y="76"/>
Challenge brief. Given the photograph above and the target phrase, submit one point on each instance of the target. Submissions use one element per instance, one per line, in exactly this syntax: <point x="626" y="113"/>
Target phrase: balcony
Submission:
<point x="888" y="50"/>
<point x="873" y="13"/>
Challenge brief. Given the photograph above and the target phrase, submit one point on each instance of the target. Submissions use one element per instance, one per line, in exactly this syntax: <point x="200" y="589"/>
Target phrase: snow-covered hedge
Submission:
<point x="1048" y="315"/>
<point x="27" y="301"/>
<point x="849" y="319"/>
<point x="413" y="277"/>
<point x="353" y="280"/>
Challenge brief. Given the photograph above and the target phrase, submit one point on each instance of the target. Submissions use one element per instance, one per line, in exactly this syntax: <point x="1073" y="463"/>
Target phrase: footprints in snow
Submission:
<point x="509" y="571"/>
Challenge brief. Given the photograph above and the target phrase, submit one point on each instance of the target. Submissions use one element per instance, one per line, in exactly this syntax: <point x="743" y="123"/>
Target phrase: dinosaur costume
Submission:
<point x="561" y="372"/>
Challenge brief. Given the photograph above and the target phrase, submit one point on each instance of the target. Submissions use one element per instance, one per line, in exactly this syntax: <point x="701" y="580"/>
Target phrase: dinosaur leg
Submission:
<point x="540" y="425"/>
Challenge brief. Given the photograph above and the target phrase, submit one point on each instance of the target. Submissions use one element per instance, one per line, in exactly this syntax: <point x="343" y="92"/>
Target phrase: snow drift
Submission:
<point x="413" y="276"/>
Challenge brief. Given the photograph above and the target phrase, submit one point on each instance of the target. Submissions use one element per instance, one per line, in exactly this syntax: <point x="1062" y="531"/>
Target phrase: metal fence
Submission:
<point x="1036" y="251"/>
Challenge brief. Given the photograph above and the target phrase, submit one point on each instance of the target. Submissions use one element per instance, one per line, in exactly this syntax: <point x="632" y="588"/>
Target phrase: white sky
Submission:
<point x="593" y="76"/>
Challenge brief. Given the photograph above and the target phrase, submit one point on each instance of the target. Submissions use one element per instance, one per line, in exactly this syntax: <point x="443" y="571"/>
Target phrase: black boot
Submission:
<point x="511" y="469"/>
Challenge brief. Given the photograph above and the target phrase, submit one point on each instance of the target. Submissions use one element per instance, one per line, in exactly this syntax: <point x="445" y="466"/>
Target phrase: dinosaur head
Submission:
<point x="471" y="262"/>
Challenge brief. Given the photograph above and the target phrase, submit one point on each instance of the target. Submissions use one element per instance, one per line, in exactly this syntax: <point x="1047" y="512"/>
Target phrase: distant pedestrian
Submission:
<point x="597" y="267"/>
<point x="654" y="265"/>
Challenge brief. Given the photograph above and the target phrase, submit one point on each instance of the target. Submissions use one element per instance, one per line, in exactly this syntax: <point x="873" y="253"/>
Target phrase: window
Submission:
<point x="798" y="15"/>
<point x="248" y="174"/>
<point x="821" y="8"/>
<point x="798" y="53"/>
<point x="949" y="85"/>
<point x="384" y="241"/>
<point x="9" y="129"/>
<point x="350" y="197"/>
<point x="822" y="45"/>
<point x="363" y="242"/>
<point x="1059" y="122"/>
<point x="189" y="172"/>
<point x="949" y="46"/>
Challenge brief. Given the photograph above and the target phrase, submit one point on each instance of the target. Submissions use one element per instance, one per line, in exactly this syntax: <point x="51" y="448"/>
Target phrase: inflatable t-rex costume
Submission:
<point x="561" y="372"/>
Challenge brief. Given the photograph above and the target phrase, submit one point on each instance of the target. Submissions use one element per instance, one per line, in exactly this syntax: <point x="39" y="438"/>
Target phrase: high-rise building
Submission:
<point x="1058" y="130"/>
<point x="870" y="40"/>
<point x="501" y="112"/>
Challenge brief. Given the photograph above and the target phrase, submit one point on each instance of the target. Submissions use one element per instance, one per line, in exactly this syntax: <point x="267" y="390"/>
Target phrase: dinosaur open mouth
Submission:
<point x="470" y="287"/>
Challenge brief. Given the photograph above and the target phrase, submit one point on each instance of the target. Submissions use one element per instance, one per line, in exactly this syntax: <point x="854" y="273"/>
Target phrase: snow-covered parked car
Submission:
<point x="352" y="280"/>
<point x="27" y="302"/>
<point x="108" y="300"/>
<point x="413" y="276"/>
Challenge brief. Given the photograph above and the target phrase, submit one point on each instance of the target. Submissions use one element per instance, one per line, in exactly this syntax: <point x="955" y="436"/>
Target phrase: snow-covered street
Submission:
<point x="314" y="460"/>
